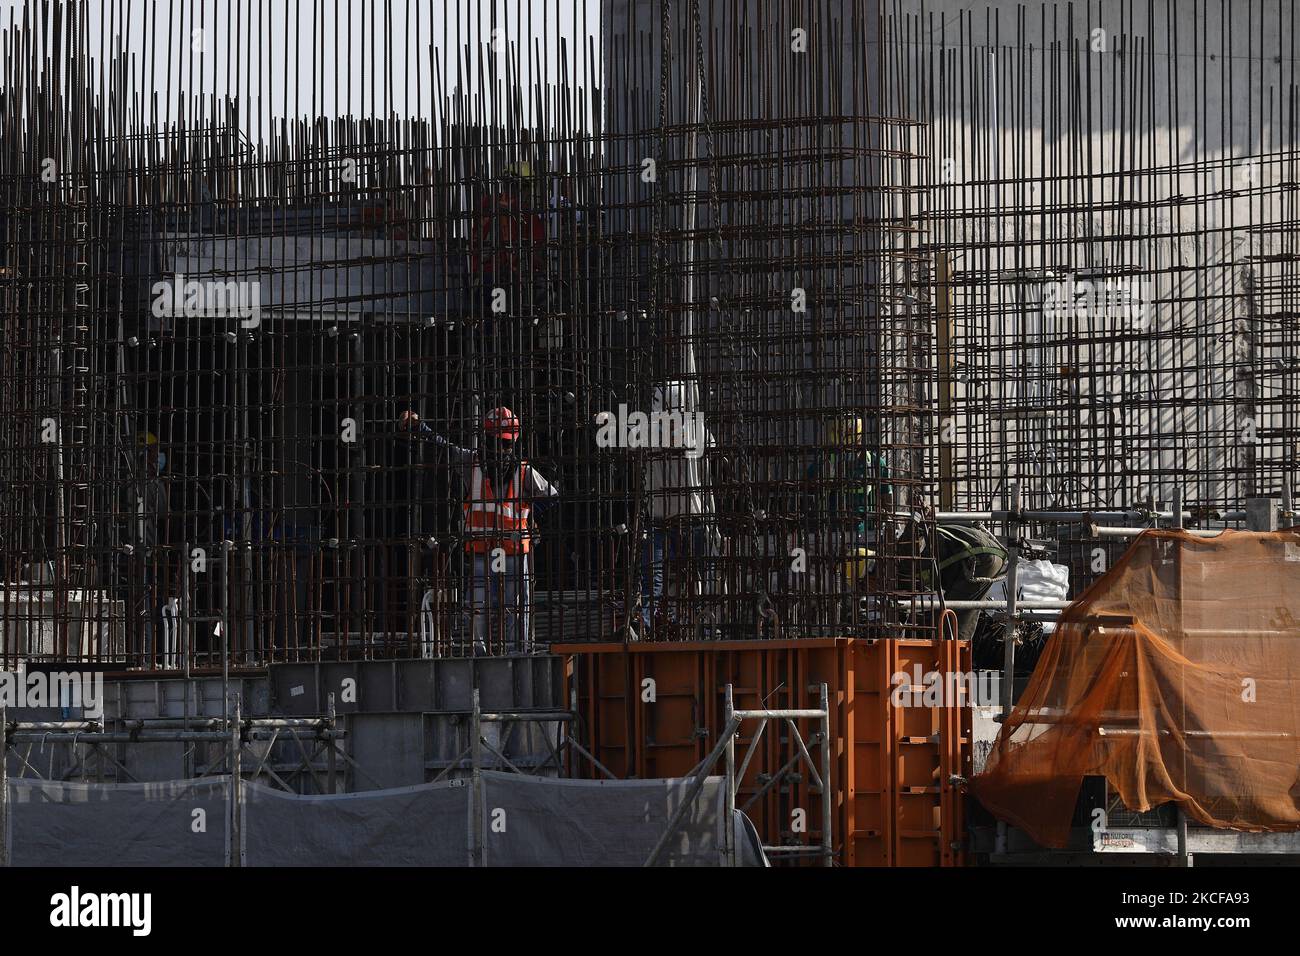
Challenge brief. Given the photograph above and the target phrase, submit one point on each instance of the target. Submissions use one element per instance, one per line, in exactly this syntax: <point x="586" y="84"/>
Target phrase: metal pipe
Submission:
<point x="828" y="845"/>
<point x="176" y="736"/>
<point x="1009" y="641"/>
<point x="249" y="723"/>
<point x="1184" y="857"/>
<point x="332" y="758"/>
<point x="236" y="783"/>
<point x="799" y="851"/>
<point x="729" y="784"/>
<point x="547" y="716"/>
<point x="750" y="752"/>
<point x="1104" y="532"/>
<point x="1030" y="516"/>
<point x="994" y="604"/>
<point x="478" y="837"/>
<point x="697" y="784"/>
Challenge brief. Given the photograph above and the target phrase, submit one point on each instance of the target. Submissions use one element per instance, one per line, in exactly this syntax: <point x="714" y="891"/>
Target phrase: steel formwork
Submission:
<point x="401" y="723"/>
<point x="884" y="788"/>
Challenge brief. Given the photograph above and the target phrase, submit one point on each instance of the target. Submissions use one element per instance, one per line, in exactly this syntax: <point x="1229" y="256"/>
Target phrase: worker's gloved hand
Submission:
<point x="409" y="421"/>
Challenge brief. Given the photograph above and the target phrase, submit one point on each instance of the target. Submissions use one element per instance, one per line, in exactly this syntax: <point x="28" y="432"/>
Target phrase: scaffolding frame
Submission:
<point x="725" y="750"/>
<point x="234" y="732"/>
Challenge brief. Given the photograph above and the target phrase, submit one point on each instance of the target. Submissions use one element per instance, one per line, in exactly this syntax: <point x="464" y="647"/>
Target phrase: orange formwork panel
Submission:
<point x="655" y="710"/>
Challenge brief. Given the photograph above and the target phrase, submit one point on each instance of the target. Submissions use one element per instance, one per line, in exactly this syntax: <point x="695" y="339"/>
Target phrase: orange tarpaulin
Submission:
<point x="1175" y="676"/>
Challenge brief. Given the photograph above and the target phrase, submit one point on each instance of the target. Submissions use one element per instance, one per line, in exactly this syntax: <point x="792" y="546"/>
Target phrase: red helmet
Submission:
<point x="501" y="422"/>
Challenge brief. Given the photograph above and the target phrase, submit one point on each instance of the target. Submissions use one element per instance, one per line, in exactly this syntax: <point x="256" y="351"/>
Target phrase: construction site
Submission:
<point x="836" y="433"/>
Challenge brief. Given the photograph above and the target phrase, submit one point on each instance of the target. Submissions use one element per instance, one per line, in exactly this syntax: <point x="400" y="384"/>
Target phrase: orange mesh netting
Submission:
<point x="1174" y="676"/>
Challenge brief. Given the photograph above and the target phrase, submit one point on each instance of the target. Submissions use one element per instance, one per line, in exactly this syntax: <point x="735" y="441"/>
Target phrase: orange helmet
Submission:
<point x="501" y="422"/>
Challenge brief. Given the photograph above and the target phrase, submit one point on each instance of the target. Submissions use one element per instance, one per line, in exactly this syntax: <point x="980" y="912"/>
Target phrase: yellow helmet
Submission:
<point x="846" y="430"/>
<point x="519" y="170"/>
<point x="153" y="450"/>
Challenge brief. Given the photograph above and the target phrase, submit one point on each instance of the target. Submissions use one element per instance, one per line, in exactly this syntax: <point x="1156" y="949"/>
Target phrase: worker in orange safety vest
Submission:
<point x="508" y="243"/>
<point x="500" y="492"/>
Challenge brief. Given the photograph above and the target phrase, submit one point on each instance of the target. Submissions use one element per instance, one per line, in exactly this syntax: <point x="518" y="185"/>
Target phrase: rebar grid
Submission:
<point x="1112" y="215"/>
<point x="218" y="313"/>
<point x="878" y="259"/>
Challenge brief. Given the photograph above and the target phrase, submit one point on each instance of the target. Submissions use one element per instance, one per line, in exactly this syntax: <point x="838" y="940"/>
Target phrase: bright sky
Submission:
<point x="365" y="57"/>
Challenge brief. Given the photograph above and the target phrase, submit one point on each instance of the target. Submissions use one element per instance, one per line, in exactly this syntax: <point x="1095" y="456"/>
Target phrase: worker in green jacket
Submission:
<point x="846" y="479"/>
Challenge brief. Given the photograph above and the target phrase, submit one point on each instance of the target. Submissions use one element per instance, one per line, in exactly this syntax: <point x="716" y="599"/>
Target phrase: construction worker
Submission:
<point x="507" y="282"/>
<point x="682" y="535"/>
<point x="969" y="560"/>
<point x="146" y="530"/>
<point x="150" y="498"/>
<point x="508" y="244"/>
<point x="845" y="479"/>
<point x="501" y="490"/>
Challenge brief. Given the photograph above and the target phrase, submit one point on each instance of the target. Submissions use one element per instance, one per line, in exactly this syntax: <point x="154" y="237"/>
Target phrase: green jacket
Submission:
<point x="866" y="471"/>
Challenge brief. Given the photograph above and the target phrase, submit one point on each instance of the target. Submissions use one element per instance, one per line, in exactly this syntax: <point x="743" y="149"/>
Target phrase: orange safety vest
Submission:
<point x="492" y="522"/>
<point x="506" y="240"/>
